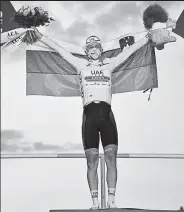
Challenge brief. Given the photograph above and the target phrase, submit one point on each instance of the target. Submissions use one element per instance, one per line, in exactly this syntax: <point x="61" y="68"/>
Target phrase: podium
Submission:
<point x="113" y="210"/>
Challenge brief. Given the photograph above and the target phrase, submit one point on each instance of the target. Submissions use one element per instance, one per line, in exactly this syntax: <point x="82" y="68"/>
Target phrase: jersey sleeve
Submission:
<point x="76" y="62"/>
<point x="116" y="61"/>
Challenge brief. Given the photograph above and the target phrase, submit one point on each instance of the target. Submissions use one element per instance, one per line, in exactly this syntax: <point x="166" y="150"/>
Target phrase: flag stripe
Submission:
<point x="52" y="85"/>
<point x="36" y="62"/>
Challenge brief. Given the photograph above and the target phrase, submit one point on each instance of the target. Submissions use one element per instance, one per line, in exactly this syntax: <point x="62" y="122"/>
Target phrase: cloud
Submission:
<point x="7" y="135"/>
<point x="78" y="28"/>
<point x="85" y="6"/>
<point x="39" y="146"/>
<point x="14" y="141"/>
<point x="122" y="18"/>
<point x="118" y="15"/>
<point x="78" y="31"/>
<point x="10" y="140"/>
<point x="54" y="29"/>
<point x="91" y="6"/>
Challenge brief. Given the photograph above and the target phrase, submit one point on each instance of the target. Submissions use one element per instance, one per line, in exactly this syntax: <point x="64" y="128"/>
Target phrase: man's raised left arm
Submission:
<point x="125" y="54"/>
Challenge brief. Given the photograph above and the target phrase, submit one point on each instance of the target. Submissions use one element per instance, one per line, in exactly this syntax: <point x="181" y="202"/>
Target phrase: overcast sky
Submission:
<point x="155" y="126"/>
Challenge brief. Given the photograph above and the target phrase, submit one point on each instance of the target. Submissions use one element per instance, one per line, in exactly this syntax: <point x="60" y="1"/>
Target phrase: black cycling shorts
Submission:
<point x="98" y="121"/>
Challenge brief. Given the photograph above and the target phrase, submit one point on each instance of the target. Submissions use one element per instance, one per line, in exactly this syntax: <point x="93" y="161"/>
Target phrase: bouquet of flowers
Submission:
<point x="159" y="37"/>
<point x="152" y="14"/>
<point x="27" y="17"/>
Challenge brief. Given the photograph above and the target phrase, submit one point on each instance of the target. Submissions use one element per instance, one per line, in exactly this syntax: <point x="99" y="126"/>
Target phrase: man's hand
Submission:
<point x="37" y="33"/>
<point x="171" y="23"/>
<point x="32" y="36"/>
<point x="160" y="37"/>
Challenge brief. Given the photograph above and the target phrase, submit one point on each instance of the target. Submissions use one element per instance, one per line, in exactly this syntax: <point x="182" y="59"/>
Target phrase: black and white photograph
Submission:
<point x="92" y="106"/>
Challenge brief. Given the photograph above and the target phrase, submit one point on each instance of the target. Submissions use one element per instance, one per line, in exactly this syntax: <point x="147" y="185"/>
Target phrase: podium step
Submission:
<point x="114" y="210"/>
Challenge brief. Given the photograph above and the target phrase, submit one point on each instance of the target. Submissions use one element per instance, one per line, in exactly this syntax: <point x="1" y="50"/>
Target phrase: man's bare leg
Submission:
<point x="110" y="152"/>
<point x="92" y="156"/>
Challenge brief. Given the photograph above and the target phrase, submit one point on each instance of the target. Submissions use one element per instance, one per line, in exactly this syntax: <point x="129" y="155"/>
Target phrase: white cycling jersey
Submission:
<point x="94" y="76"/>
<point x="95" y="82"/>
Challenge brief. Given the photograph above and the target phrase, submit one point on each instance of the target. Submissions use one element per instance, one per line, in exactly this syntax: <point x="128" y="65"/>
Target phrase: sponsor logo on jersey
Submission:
<point x="97" y="78"/>
<point x="97" y="73"/>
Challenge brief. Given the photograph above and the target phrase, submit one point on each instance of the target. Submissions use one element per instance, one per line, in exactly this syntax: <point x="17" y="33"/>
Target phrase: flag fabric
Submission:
<point x="49" y="74"/>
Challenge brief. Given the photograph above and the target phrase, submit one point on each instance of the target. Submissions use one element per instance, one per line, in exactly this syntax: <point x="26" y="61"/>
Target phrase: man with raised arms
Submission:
<point x="98" y="119"/>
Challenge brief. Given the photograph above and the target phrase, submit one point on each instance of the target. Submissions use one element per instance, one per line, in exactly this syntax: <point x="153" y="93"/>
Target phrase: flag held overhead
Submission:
<point x="49" y="74"/>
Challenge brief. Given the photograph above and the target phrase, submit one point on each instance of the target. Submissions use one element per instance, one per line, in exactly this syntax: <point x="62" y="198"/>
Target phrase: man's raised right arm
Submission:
<point x="76" y="62"/>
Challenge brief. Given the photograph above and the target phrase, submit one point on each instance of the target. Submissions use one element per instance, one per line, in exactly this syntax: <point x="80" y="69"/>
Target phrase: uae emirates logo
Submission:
<point x="97" y="73"/>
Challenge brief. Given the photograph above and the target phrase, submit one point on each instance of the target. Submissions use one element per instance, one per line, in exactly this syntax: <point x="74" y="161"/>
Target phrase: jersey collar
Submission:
<point x="94" y="62"/>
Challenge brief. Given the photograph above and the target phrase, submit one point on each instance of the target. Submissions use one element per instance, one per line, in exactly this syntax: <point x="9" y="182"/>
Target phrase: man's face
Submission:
<point x="94" y="50"/>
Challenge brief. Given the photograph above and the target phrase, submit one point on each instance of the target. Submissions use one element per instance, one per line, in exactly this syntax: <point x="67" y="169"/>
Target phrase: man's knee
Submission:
<point x="92" y="156"/>
<point x="110" y="152"/>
